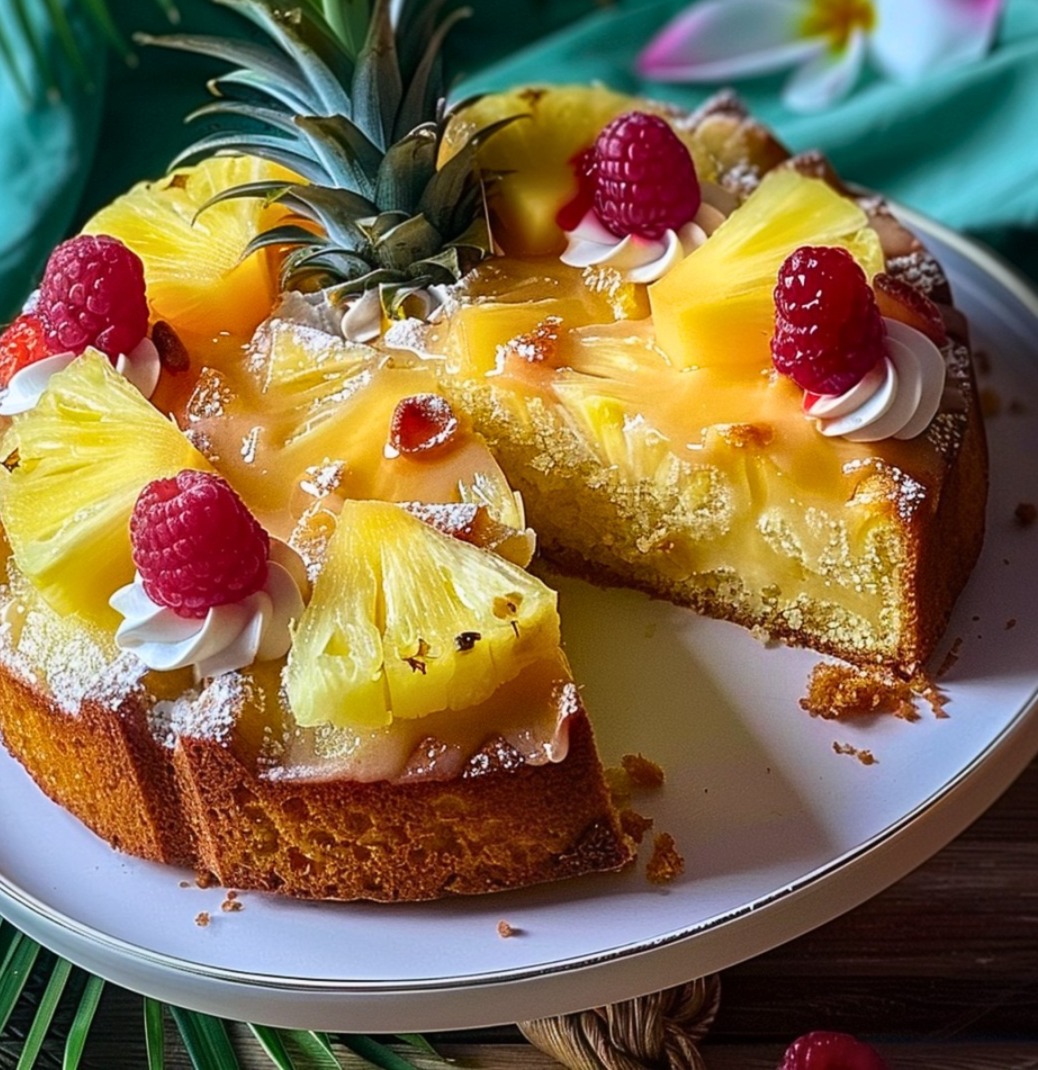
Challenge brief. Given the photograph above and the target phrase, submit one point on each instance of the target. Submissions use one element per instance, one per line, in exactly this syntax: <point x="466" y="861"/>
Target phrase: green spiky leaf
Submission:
<point x="61" y="1003"/>
<point x="14" y="974"/>
<point x="421" y="98"/>
<point x="377" y="82"/>
<point x="363" y="126"/>
<point x="80" y="1029"/>
<point x="377" y="1054"/>
<point x="45" y="1012"/>
<point x="154" y="1034"/>
<point x="267" y="65"/>
<point x="205" y="1040"/>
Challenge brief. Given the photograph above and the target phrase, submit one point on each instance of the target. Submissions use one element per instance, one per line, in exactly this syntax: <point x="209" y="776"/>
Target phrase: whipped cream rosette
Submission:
<point x="897" y="398"/>
<point x="230" y="636"/>
<point x="639" y="215"/>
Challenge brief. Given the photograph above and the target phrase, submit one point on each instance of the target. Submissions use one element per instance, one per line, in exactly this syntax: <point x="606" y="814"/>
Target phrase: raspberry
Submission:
<point x="422" y="423"/>
<point x="195" y="544"/>
<point x="92" y="294"/>
<point x="828" y="331"/>
<point x="831" y="1051"/>
<point x="20" y="345"/>
<point x="645" y="181"/>
<point x="573" y="211"/>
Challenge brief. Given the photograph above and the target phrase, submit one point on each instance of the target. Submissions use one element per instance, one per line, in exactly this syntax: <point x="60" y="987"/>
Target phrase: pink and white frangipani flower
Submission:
<point x="826" y="41"/>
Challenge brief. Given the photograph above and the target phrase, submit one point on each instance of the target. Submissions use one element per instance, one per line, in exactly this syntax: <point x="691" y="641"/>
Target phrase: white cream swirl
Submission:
<point x="231" y="636"/>
<point x="592" y="244"/>
<point x="362" y="321"/>
<point x="896" y="399"/>
<point x="141" y="366"/>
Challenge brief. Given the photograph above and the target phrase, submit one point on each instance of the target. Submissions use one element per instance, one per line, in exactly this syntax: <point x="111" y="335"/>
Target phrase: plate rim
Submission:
<point x="32" y="913"/>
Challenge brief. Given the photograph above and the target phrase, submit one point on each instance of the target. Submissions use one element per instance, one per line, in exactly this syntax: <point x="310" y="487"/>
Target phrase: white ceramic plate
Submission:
<point x="780" y="833"/>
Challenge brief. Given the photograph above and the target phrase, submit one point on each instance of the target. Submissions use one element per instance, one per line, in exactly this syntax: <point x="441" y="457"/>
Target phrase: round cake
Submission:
<point x="284" y="429"/>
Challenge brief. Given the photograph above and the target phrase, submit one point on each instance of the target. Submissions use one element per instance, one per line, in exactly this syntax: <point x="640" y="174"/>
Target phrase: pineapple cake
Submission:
<point x="283" y="431"/>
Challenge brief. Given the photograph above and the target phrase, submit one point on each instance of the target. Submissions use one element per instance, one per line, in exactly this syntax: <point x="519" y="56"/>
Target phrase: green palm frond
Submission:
<point x="48" y="1007"/>
<point x="24" y="50"/>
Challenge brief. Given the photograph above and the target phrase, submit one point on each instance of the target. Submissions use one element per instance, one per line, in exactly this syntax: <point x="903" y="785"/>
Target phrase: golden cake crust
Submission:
<point x="502" y="824"/>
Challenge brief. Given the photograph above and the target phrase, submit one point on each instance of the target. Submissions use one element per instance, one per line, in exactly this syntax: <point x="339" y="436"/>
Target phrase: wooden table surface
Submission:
<point x="940" y="971"/>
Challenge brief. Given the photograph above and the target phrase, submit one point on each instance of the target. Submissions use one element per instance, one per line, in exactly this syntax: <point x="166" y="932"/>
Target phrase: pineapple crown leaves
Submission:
<point x="360" y="118"/>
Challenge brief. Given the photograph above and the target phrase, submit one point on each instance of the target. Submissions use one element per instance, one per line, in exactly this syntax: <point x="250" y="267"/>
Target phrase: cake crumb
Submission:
<point x="643" y="772"/>
<point x="933" y="695"/>
<point x="866" y="757"/>
<point x="205" y="879"/>
<point x="504" y="930"/>
<point x="634" y="824"/>
<point x="185" y="884"/>
<point x="950" y="658"/>
<point x="666" y="863"/>
<point x="202" y="919"/>
<point x="232" y="904"/>
<point x="1025" y="514"/>
<point x="1010" y="624"/>
<point x="840" y="692"/>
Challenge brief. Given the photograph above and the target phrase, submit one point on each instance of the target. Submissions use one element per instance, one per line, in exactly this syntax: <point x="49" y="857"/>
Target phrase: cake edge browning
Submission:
<point x="944" y="544"/>
<point x="101" y="764"/>
<point x="502" y="824"/>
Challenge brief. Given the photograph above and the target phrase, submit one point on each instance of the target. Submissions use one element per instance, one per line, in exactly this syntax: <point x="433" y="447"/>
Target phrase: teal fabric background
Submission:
<point x="46" y="150"/>
<point x="960" y="147"/>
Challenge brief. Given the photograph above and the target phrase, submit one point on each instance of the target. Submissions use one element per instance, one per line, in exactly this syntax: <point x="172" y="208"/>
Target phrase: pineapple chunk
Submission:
<point x="716" y="309"/>
<point x="405" y="621"/>
<point x="623" y="441"/>
<point x="533" y="155"/>
<point x="506" y="299"/>
<point x="74" y="467"/>
<point x="196" y="277"/>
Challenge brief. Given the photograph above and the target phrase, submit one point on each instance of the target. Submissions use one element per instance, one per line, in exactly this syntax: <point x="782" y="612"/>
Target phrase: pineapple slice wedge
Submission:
<point x="197" y="278"/>
<point x="74" y="466"/>
<point x="405" y="621"/>
<point x="715" y="309"/>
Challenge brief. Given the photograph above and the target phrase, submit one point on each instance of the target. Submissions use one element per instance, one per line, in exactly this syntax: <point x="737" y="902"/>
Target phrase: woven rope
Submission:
<point x="661" y="1031"/>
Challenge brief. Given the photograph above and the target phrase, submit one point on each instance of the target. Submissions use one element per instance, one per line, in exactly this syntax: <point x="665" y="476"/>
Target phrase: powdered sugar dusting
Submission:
<point x="907" y="493"/>
<point x="38" y="644"/>
<point x="249" y="444"/>
<point x="919" y="269"/>
<point x="211" y="397"/>
<point x="323" y="479"/>
<point x="118" y="681"/>
<point x="211" y="715"/>
<point x="408" y="334"/>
